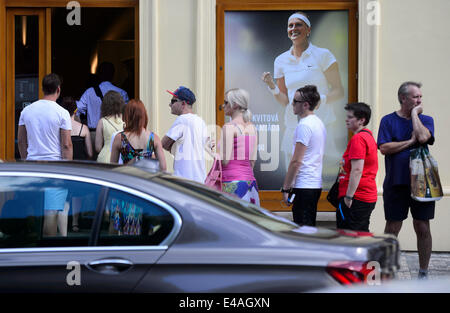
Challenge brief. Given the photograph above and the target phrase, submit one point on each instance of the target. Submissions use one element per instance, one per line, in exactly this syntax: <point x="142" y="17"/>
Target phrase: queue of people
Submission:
<point x="399" y="132"/>
<point x="118" y="129"/>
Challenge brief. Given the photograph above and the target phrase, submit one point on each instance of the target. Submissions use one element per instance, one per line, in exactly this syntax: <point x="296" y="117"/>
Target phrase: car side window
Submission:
<point x="131" y="220"/>
<point x="46" y="212"/>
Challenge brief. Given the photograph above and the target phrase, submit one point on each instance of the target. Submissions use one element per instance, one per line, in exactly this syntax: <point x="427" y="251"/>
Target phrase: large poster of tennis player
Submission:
<point x="273" y="53"/>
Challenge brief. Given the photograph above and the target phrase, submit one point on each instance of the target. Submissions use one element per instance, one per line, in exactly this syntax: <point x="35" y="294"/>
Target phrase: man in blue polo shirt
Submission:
<point x="400" y="132"/>
<point x="90" y="102"/>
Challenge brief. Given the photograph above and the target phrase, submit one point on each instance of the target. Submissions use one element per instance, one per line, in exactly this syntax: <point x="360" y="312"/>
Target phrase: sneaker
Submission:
<point x="422" y="275"/>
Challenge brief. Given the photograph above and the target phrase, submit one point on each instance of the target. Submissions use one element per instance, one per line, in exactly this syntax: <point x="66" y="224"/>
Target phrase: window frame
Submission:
<point x="107" y="196"/>
<point x="95" y="232"/>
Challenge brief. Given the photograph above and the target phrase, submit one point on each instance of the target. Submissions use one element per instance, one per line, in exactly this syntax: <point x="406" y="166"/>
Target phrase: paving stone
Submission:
<point x="439" y="265"/>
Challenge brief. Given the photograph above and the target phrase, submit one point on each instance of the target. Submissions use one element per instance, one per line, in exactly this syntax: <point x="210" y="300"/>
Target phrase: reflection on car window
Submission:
<point x="46" y="212"/>
<point x="130" y="220"/>
<point x="249" y="211"/>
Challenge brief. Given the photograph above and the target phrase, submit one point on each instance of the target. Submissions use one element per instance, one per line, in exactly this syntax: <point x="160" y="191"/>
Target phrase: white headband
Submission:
<point x="301" y="17"/>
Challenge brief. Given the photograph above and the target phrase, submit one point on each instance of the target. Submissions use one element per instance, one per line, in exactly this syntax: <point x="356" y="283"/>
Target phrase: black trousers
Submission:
<point x="304" y="209"/>
<point x="355" y="218"/>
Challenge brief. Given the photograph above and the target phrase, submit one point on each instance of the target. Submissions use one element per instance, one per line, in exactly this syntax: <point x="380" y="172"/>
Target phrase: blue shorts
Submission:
<point x="398" y="201"/>
<point x="55" y="198"/>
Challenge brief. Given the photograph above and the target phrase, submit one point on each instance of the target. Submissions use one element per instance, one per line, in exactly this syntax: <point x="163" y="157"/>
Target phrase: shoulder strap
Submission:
<point x="81" y="128"/>
<point x="150" y="143"/>
<point x="98" y="92"/>
<point x="237" y="126"/>
<point x="111" y="124"/>
<point x="132" y="150"/>
<point x="365" y="130"/>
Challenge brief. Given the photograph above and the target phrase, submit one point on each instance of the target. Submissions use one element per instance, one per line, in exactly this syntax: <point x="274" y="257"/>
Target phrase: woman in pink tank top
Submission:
<point x="238" y="148"/>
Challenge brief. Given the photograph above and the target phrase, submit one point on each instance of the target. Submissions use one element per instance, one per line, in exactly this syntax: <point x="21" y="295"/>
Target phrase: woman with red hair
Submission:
<point x="135" y="142"/>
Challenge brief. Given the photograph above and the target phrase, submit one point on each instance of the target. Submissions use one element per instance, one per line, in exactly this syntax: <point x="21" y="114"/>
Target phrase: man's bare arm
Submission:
<point x="22" y="142"/>
<point x="66" y="144"/>
<point x="167" y="143"/>
<point x="294" y="165"/>
<point x="422" y="133"/>
<point x="395" y="147"/>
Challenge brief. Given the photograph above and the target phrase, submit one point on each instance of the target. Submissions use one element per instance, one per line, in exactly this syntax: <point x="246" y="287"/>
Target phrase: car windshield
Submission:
<point x="246" y="210"/>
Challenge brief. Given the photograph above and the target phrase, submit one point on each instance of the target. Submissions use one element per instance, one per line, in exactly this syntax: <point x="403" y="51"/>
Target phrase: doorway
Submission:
<point x="41" y="40"/>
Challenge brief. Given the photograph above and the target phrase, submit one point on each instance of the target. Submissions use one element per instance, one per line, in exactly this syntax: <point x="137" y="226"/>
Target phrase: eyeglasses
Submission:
<point x="298" y="101"/>
<point x="174" y="100"/>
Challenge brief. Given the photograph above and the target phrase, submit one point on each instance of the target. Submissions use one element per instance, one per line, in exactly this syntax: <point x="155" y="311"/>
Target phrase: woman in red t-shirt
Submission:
<point x="359" y="166"/>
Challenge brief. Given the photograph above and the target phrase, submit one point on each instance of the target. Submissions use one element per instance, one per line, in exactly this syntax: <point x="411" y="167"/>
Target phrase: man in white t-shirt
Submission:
<point x="304" y="176"/>
<point x="45" y="134"/>
<point x="187" y="137"/>
<point x="45" y="127"/>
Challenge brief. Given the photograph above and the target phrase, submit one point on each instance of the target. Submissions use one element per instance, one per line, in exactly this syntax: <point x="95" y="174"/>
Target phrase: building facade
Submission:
<point x="168" y="43"/>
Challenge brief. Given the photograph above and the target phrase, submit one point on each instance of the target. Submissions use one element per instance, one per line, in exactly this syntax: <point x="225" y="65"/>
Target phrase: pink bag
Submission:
<point x="214" y="177"/>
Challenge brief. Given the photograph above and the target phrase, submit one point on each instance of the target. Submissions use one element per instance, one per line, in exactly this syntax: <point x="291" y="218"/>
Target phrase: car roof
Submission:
<point x="76" y="167"/>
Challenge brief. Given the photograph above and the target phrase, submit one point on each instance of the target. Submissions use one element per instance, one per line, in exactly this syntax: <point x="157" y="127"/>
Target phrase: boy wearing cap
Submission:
<point x="187" y="137"/>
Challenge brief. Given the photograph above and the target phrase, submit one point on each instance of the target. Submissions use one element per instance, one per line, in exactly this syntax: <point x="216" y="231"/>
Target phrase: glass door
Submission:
<point x="27" y="56"/>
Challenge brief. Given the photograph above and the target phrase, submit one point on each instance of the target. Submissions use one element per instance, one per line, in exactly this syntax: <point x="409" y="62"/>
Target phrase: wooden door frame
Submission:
<point x="271" y="199"/>
<point x="10" y="68"/>
<point x="6" y="97"/>
<point x="2" y="79"/>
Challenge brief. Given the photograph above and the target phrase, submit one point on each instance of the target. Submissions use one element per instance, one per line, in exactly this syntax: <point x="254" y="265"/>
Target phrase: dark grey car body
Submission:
<point x="215" y="244"/>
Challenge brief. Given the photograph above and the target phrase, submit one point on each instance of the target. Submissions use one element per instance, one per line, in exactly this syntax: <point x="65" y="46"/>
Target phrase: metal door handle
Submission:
<point x="110" y="266"/>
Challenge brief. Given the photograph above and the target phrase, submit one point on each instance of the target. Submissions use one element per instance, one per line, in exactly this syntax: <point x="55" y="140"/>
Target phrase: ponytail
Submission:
<point x="247" y="115"/>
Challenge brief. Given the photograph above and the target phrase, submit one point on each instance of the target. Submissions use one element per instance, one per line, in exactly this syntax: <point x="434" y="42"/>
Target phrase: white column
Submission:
<point x="368" y="51"/>
<point x="148" y="59"/>
<point x="205" y="61"/>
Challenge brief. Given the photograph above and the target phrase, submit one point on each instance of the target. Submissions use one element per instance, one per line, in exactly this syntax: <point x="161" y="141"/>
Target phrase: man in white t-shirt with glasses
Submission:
<point x="304" y="176"/>
<point x="187" y="137"/>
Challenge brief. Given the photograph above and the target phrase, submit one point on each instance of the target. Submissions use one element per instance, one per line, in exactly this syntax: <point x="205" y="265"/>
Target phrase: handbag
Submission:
<point x="425" y="182"/>
<point x="214" y="177"/>
<point x="333" y="193"/>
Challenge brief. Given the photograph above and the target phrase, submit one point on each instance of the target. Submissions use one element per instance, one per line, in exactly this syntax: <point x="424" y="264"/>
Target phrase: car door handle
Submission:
<point x="110" y="266"/>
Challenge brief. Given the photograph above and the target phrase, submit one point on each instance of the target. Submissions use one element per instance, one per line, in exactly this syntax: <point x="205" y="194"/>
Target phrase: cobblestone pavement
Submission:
<point x="409" y="265"/>
<point x="439" y="266"/>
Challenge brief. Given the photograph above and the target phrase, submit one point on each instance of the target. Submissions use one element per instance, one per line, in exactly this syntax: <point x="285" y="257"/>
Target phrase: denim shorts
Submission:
<point x="55" y="198"/>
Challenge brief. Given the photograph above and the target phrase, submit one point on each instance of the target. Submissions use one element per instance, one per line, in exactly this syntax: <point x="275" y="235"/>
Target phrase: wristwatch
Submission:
<point x="347" y="197"/>
<point x="285" y="190"/>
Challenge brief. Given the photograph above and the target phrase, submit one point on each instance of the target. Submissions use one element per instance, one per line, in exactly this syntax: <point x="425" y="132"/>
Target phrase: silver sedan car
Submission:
<point x="72" y="227"/>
